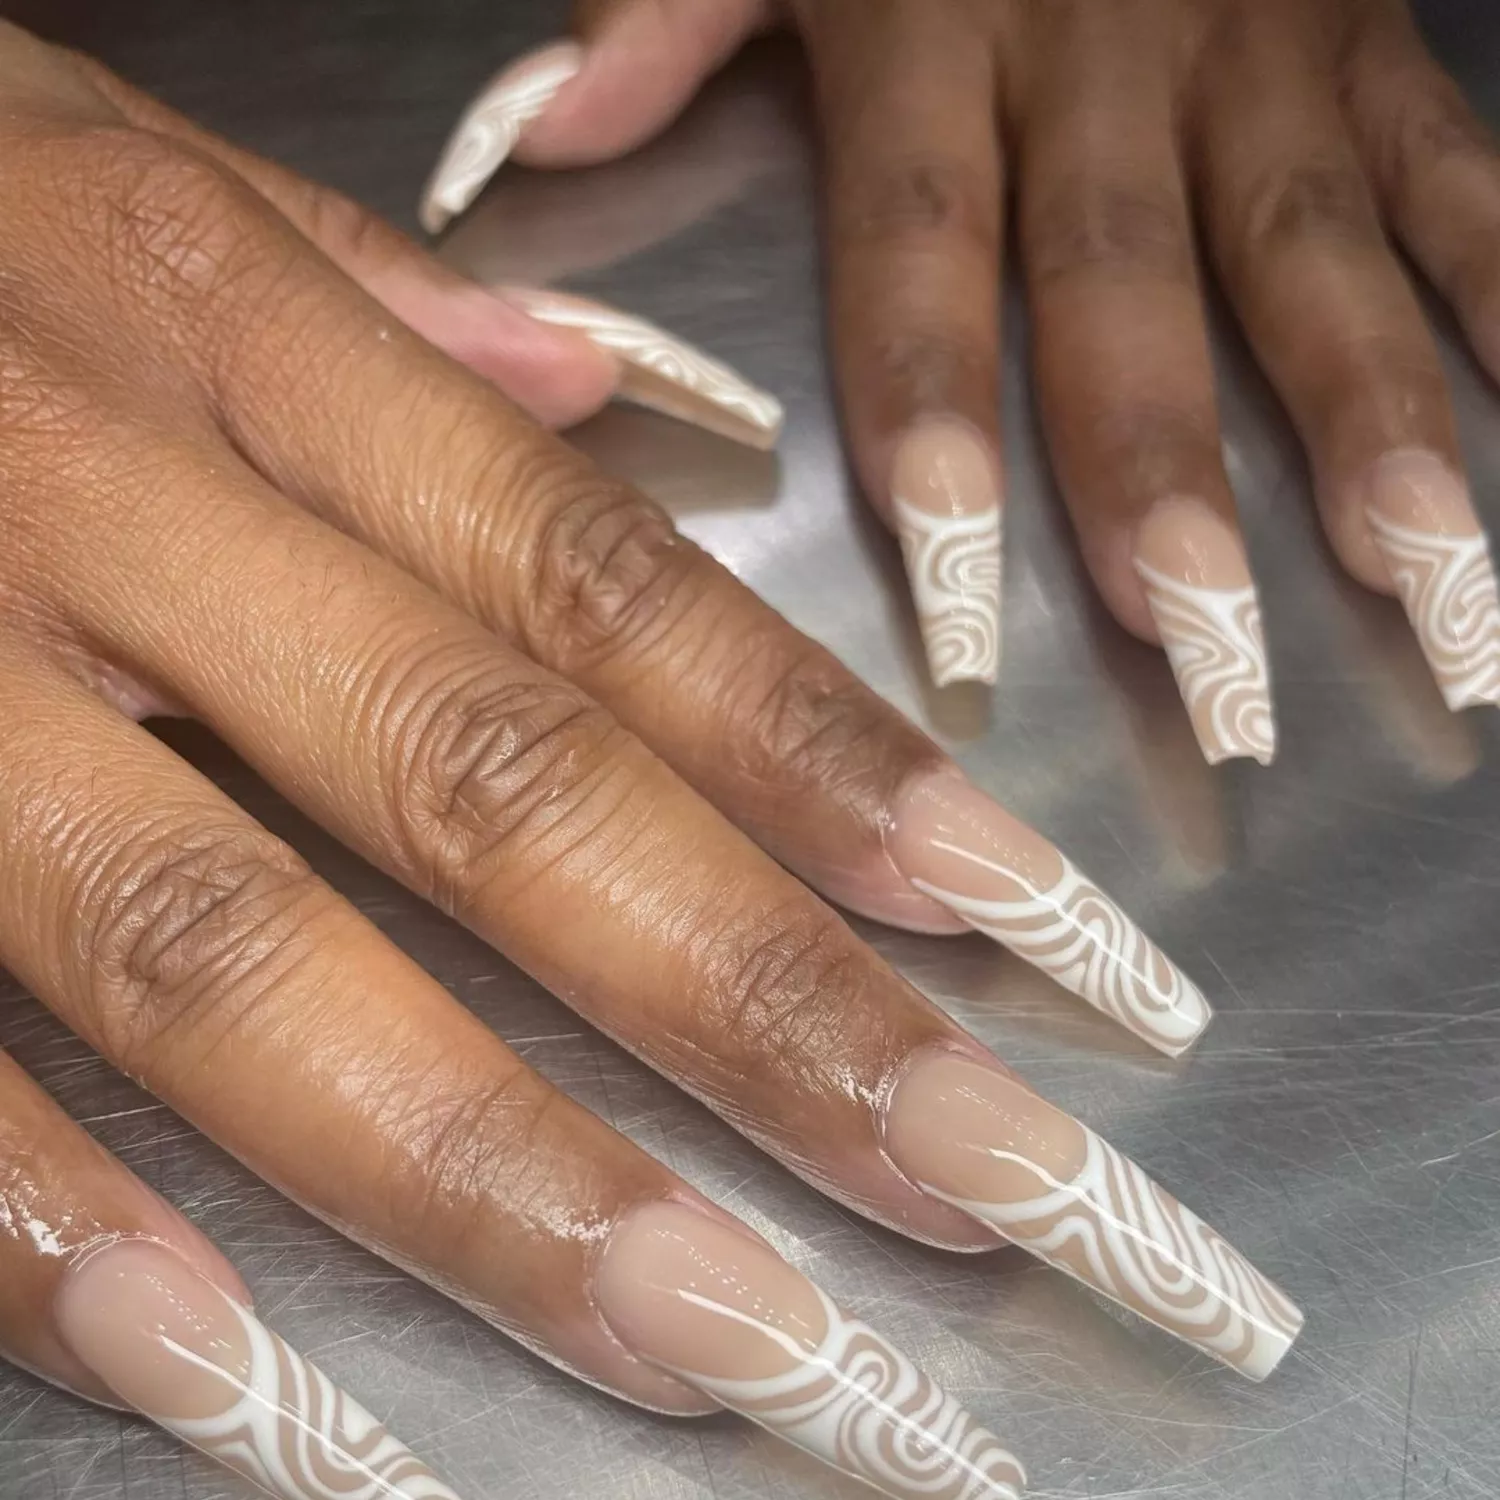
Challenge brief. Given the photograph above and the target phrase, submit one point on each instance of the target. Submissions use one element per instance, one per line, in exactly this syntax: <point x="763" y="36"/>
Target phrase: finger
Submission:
<point x="1339" y="331"/>
<point x="1436" y="170"/>
<point x="107" y="1291"/>
<point x="201" y="956"/>
<point x="628" y="72"/>
<point x="503" y="795"/>
<point x="1123" y="370"/>
<point x="914" y="248"/>
<point x="559" y="357"/>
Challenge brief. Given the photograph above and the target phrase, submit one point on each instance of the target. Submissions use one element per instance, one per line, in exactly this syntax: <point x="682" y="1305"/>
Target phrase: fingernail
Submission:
<point x="171" y="1345"/>
<point x="726" y="1314"/>
<point x="945" y="494"/>
<point x="1196" y="575"/>
<point x="983" y="1142"/>
<point x="1424" y="525"/>
<point x="964" y="850"/>
<point x="489" y="128"/>
<point x="660" y="371"/>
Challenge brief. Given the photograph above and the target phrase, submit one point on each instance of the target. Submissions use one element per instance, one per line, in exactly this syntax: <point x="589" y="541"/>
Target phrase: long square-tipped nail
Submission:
<point x="1193" y="567"/>
<point x="964" y="850"/>
<point x="986" y="1144"/>
<point x="1423" y="523"/>
<point x="726" y="1314"/>
<point x="661" y="371"/>
<point x="489" y="128"/>
<point x="945" y="495"/>
<point x="174" y="1347"/>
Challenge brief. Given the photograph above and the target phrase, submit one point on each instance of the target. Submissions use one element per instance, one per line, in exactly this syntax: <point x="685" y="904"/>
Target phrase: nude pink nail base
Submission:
<point x="724" y="1313"/>
<point x="176" y="1349"/>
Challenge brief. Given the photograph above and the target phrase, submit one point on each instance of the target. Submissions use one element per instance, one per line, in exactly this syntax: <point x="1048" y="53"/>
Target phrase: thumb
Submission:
<point x="627" y="73"/>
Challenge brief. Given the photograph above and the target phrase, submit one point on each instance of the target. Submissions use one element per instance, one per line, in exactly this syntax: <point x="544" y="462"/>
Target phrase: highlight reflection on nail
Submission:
<point x="980" y="1140"/>
<point x="1439" y="558"/>
<point x="489" y="128"/>
<point x="963" y="849"/>
<point x="661" y="371"/>
<point x="173" y="1346"/>
<point x="726" y="1314"/>
<point x="1198" y="587"/>
<point x="945" y="498"/>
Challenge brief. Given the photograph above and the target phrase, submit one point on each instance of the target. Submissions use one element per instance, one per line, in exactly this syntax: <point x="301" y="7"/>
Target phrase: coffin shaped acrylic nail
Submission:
<point x="982" y="1141"/>
<point x="945" y="496"/>
<point x="724" y="1313"/>
<point x="662" y="372"/>
<point x="489" y="128"/>
<point x="1424" y="524"/>
<point x="964" y="850"/>
<point x="174" y="1347"/>
<point x="1196" y="577"/>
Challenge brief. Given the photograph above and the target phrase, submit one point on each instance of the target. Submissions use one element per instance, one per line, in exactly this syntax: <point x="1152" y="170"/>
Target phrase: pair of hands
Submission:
<point x="240" y="483"/>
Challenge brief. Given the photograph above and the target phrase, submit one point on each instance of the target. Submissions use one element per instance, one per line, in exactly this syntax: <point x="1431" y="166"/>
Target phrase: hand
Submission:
<point x="233" y="483"/>
<point x="1299" y="132"/>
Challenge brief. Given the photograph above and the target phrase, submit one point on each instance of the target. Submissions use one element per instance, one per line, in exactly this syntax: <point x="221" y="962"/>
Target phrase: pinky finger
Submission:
<point x="1436" y="170"/>
<point x="120" y="1300"/>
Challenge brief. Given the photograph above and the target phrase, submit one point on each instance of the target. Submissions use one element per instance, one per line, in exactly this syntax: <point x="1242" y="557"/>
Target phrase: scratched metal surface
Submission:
<point x="1341" y="1122"/>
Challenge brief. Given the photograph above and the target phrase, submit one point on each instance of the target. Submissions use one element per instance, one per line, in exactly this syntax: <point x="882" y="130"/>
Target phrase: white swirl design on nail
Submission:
<point x="861" y="1405"/>
<point x="1217" y="649"/>
<point x="953" y="563"/>
<point x="652" y="348"/>
<point x="296" y="1434"/>
<point x="1447" y="585"/>
<point x="1114" y="1229"/>
<point x="488" y="132"/>
<point x="1075" y="933"/>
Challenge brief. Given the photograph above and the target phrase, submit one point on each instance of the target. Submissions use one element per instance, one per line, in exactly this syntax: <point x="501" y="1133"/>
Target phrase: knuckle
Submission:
<point x="609" y="575"/>
<point x="175" y="225"/>
<point x="935" y="365"/>
<point x="192" y="933"/>
<point x="485" y="765"/>
<point x="786" y="984"/>
<point x="1079" y="227"/>
<point x="802" y="720"/>
<point x="922" y="196"/>
<point x="1151" y="447"/>
<point x="1311" y="200"/>
<point x="454" y="1156"/>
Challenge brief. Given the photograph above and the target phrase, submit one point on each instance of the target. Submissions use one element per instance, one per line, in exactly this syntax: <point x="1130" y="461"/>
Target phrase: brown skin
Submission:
<point x="231" y="481"/>
<point x="1297" y="133"/>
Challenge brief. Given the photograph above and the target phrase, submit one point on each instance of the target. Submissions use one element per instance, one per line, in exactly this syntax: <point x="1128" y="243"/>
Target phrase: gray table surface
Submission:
<point x="1342" y="1120"/>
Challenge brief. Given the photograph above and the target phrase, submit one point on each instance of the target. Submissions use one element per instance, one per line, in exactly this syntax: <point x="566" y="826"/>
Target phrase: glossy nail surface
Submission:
<point x="982" y="1141"/>
<point x="1423" y="523"/>
<point x="1198" y="587"/>
<point x="170" y="1344"/>
<point x="489" y="128"/>
<point x="945" y="497"/>
<point x="963" y="849"/>
<point x="660" y="371"/>
<point x="726" y="1314"/>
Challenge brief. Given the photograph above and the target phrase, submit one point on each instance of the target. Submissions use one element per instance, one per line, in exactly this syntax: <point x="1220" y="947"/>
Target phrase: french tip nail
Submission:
<point x="179" y="1350"/>
<point x="958" y="846"/>
<point x="1424" y="525"/>
<point x="726" y="1314"/>
<point x="661" y="371"/>
<point x="1196" y="578"/>
<point x="488" y="130"/>
<point x="979" y="1139"/>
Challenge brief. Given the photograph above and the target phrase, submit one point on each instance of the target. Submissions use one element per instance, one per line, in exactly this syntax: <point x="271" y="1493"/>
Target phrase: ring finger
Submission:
<point x="1123" y="369"/>
<point x="1337" y="327"/>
